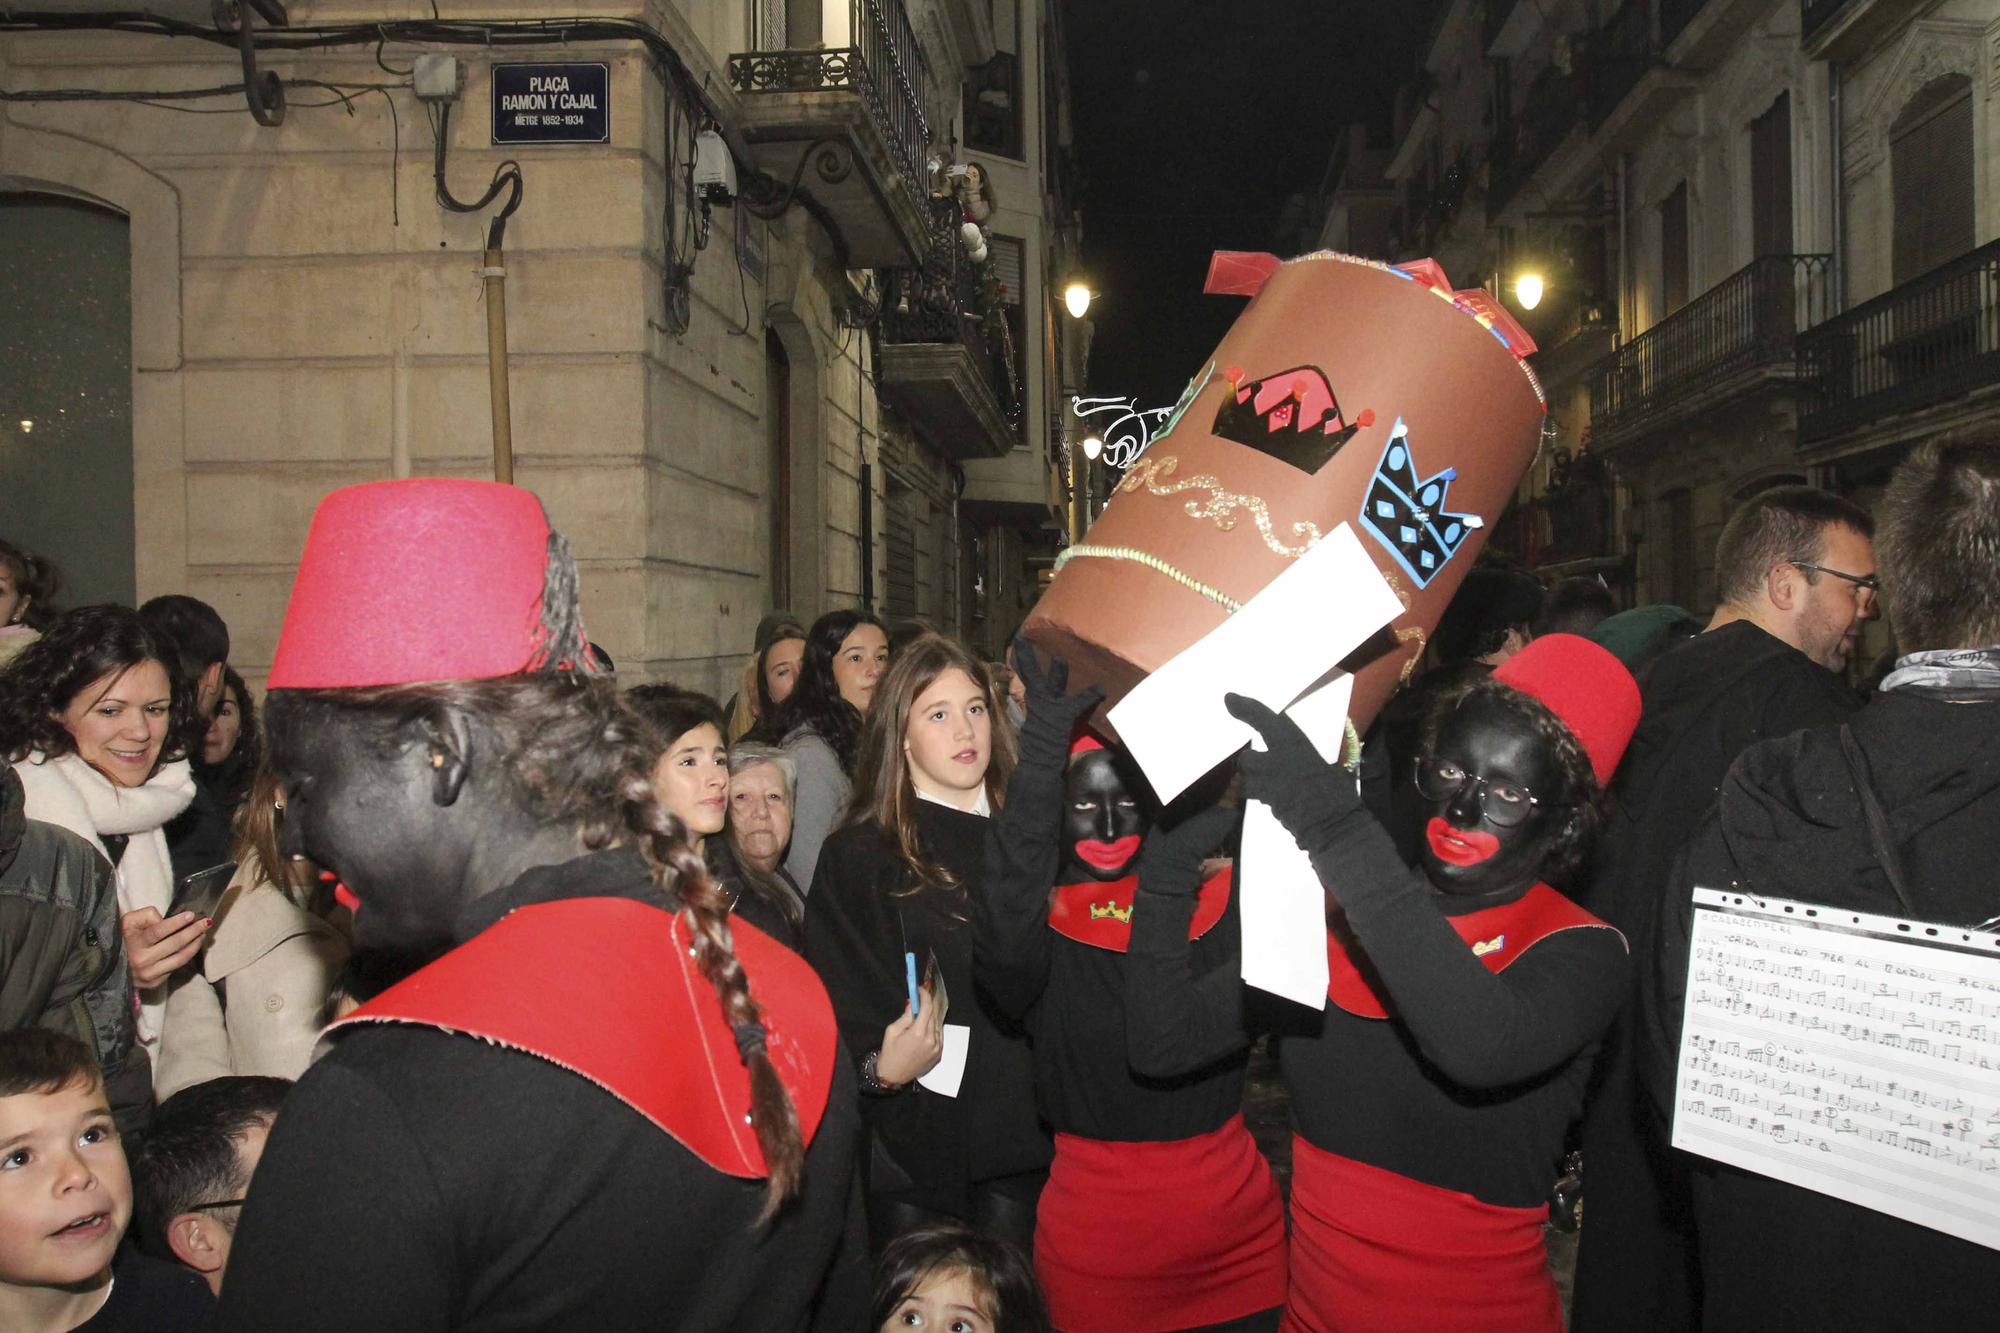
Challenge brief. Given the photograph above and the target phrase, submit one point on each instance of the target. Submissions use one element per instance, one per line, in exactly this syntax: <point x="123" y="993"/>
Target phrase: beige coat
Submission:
<point x="255" y="1006"/>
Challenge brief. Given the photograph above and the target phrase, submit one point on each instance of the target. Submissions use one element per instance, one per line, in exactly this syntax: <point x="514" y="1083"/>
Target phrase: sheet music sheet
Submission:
<point x="1854" y="1055"/>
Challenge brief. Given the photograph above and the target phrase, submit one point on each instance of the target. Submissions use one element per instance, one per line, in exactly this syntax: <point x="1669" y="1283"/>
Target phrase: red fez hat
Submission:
<point x="1584" y="686"/>
<point x="1084" y="741"/>
<point x="428" y="579"/>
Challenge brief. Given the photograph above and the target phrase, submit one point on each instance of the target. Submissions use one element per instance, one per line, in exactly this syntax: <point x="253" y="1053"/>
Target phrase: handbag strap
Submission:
<point x="1890" y="859"/>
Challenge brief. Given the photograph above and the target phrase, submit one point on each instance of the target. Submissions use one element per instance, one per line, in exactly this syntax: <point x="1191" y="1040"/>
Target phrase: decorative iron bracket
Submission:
<point x="262" y="89"/>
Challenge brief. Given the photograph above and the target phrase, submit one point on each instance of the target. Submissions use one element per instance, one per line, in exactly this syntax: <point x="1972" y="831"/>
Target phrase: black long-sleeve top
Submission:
<point x="1471" y="1082"/>
<point x="421" y="1180"/>
<point x="860" y="918"/>
<point x="1095" y="1075"/>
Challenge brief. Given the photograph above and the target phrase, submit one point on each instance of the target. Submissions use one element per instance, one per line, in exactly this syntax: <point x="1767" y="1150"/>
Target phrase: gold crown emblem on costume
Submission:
<point x="1098" y="911"/>
<point x="1481" y="948"/>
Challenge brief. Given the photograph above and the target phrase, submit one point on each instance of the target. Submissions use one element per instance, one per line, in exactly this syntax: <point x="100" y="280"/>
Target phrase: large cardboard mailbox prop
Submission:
<point x="1349" y="392"/>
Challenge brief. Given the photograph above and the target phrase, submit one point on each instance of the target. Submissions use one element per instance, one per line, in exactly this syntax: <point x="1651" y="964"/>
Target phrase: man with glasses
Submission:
<point x="193" y="1168"/>
<point x="1795" y="580"/>
<point x="1895" y="813"/>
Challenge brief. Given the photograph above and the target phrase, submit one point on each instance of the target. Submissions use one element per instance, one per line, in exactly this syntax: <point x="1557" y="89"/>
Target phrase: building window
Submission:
<point x="778" y="422"/>
<point x="901" y="514"/>
<point x="1010" y="260"/>
<point x="1930" y="167"/>
<point x="1771" y="180"/>
<point x="993" y="90"/>
<point x="1674" y="251"/>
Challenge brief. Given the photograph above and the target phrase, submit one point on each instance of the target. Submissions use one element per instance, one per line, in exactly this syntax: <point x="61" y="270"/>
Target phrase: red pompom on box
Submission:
<point x="433" y="578"/>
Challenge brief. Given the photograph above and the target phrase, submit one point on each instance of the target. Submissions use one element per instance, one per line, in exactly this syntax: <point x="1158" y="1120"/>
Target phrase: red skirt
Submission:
<point x="1147" y="1237"/>
<point x="1375" y="1252"/>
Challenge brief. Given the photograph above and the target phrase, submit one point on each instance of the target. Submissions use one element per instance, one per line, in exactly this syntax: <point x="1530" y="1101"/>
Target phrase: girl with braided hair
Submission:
<point x="603" y="1105"/>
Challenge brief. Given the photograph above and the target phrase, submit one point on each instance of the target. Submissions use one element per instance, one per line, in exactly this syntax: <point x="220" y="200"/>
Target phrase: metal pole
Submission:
<point x="494" y="275"/>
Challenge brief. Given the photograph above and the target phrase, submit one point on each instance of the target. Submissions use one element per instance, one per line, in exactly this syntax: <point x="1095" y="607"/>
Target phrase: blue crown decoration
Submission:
<point x="1408" y="516"/>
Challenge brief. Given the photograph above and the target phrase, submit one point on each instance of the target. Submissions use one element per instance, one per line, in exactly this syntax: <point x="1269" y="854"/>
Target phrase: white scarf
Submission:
<point x="68" y="792"/>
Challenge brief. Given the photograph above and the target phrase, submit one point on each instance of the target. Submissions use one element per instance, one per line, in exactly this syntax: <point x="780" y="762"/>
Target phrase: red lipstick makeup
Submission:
<point x="1107" y="855"/>
<point x="1457" y="846"/>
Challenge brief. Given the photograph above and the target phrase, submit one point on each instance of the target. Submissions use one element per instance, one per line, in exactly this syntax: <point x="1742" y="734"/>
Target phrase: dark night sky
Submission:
<point x="1194" y="119"/>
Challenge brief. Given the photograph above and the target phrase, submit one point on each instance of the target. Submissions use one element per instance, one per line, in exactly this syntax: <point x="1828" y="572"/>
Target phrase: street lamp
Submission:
<point x="1092" y="447"/>
<point x="1076" y="298"/>
<point x="1528" y="290"/>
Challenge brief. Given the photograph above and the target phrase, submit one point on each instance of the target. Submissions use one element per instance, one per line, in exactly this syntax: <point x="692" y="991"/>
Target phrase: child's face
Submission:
<point x="65" y="1195"/>
<point x="944" y="1303"/>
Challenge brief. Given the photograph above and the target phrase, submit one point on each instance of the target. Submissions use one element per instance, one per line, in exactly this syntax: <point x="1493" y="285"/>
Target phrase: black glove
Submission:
<point x="1307" y="794"/>
<point x="1052" y="713"/>
<point x="1170" y="859"/>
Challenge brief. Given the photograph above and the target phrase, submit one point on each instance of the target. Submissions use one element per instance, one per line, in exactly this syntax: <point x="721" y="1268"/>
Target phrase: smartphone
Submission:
<point x="910" y="974"/>
<point x="200" y="892"/>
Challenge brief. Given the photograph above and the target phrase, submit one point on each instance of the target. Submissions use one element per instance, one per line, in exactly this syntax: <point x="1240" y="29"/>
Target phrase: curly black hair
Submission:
<point x="1582" y="796"/>
<point x="83" y="646"/>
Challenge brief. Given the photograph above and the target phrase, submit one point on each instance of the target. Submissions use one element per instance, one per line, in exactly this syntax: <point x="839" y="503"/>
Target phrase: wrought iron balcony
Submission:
<point x="1932" y="338"/>
<point x="1735" y="337"/>
<point x="1569" y="521"/>
<point x="940" y="368"/>
<point x="1815" y="14"/>
<point x="844" y="121"/>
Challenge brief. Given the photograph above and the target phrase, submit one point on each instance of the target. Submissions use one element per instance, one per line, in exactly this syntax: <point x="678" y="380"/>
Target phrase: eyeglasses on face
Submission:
<point x="1505" y="804"/>
<point x="1868" y="583"/>
<point x="209" y="1207"/>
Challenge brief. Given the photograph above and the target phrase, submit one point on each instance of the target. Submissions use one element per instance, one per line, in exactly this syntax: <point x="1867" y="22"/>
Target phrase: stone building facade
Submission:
<point x="721" y="406"/>
<point x="1767" y="233"/>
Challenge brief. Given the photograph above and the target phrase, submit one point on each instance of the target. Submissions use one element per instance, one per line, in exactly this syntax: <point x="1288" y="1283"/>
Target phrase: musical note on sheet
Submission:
<point x="1854" y="1055"/>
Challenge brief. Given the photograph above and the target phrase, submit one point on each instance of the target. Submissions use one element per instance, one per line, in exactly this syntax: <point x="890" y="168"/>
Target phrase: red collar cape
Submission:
<point x="606" y="988"/>
<point x="1497" y="936"/>
<point x="1099" y="912"/>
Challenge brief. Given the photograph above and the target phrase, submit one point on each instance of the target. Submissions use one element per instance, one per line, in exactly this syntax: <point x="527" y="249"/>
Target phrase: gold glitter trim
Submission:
<point x="1221" y="505"/>
<point x="1157" y="565"/>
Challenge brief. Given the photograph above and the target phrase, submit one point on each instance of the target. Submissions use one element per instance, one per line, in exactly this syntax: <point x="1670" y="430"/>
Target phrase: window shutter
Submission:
<point x="1007" y="265"/>
<point x="1771" y="180"/>
<point x="1674" y="251"/>
<point x="1930" y="166"/>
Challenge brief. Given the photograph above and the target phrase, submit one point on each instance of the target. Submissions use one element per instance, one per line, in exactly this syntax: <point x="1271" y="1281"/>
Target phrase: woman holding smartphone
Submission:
<point x="892" y="897"/>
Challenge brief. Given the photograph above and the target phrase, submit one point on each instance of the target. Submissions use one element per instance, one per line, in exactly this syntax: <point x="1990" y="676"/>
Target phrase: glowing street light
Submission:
<point x="1076" y="298"/>
<point x="1528" y="290"/>
<point x="1092" y="447"/>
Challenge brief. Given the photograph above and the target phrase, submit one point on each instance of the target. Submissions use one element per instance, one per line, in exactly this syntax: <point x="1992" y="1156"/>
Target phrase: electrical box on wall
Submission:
<point x="438" y="78"/>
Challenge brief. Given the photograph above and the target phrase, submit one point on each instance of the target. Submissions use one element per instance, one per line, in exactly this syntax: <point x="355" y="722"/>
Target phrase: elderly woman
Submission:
<point x="761" y="778"/>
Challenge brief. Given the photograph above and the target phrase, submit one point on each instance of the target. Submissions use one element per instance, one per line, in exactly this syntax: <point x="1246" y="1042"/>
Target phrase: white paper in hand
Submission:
<point x="949" y="1071"/>
<point x="1283" y="903"/>
<point x="1286" y="637"/>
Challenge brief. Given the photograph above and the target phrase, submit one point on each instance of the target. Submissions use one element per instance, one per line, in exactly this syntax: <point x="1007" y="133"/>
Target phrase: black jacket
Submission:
<point x="860" y="919"/>
<point x="422" y="1180"/>
<point x="1789" y="824"/>
<point x="62" y="960"/>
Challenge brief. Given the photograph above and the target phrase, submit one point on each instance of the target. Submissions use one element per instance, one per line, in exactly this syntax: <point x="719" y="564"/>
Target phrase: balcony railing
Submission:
<point x="1571" y="520"/>
<point x="871" y="50"/>
<point x="1748" y="322"/>
<point x="1675" y="15"/>
<point x="940" y="302"/>
<point x="1935" y="336"/>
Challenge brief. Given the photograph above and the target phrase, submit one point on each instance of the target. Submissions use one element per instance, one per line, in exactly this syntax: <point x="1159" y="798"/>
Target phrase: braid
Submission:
<point x="577" y="755"/>
<point x="705" y="912"/>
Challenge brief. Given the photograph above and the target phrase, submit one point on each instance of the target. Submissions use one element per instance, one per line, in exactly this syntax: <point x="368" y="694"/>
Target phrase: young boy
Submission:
<point x="65" y="1198"/>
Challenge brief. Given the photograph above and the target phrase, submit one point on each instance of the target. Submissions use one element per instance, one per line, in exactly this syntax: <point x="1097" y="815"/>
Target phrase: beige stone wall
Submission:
<point x="306" y="316"/>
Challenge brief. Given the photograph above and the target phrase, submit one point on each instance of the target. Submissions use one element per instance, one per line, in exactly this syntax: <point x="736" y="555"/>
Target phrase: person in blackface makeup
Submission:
<point x="605" y="1104"/>
<point x="1467" y="997"/>
<point x="1159" y="1214"/>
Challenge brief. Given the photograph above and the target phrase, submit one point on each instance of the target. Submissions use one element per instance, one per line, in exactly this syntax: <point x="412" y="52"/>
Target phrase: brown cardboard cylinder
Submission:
<point x="1383" y="344"/>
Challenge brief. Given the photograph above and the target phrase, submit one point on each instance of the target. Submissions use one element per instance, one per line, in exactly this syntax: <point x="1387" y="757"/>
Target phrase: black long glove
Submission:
<point x="1175" y="1021"/>
<point x="1311" y="797"/>
<point x="1024" y="841"/>
<point x="1052" y="712"/>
